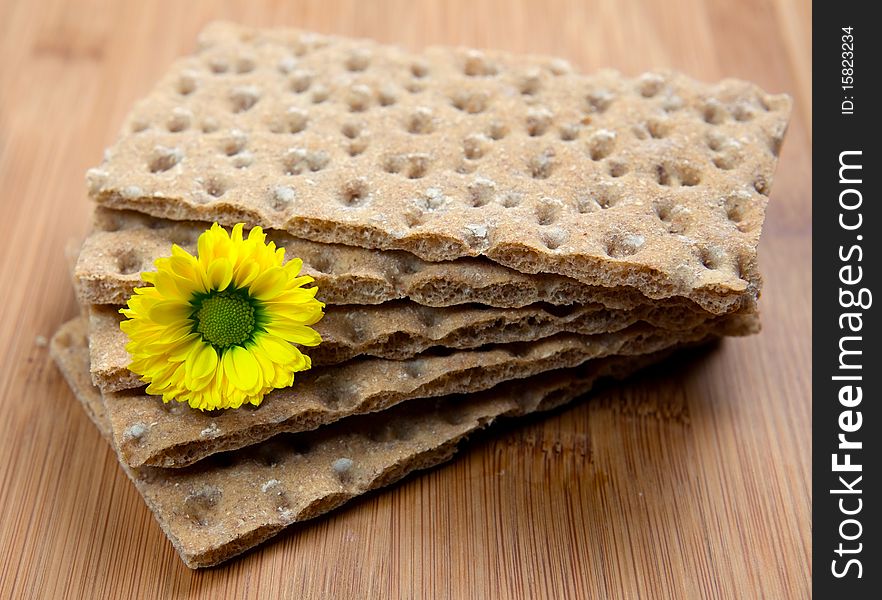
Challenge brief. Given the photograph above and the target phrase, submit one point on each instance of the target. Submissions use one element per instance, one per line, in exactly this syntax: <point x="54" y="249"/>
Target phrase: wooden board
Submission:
<point x="692" y="481"/>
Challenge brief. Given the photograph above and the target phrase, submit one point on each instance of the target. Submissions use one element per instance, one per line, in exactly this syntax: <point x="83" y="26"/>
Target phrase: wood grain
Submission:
<point x="690" y="482"/>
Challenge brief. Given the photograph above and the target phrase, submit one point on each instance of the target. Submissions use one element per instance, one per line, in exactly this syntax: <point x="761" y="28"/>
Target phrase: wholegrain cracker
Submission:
<point x="125" y="243"/>
<point x="150" y="432"/>
<point x="658" y="182"/>
<point x="401" y="330"/>
<point x="227" y="504"/>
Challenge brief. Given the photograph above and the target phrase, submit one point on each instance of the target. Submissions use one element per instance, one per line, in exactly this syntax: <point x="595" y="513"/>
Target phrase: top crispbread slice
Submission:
<point x="658" y="182"/>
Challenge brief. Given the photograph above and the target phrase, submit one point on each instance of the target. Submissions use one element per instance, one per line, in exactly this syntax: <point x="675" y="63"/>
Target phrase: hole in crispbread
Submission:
<point x="601" y="144"/>
<point x="599" y="100"/>
<point x="420" y="121"/>
<point x="470" y="102"/>
<point x="658" y="128"/>
<point x="716" y="141"/>
<point x="287" y="64"/>
<point x="387" y="96"/>
<point x="714" y="112"/>
<point x="234" y="143"/>
<point x="300" y="81"/>
<point x="547" y="211"/>
<point x="586" y="203"/>
<point x="200" y="503"/>
<point x="209" y="125"/>
<point x="128" y="261"/>
<point x="477" y="65"/>
<point x="179" y="120"/>
<point x="650" y="84"/>
<point x="414" y="87"/>
<point x="511" y="199"/>
<point x="743" y="112"/>
<point x="553" y="238"/>
<point x="663" y="210"/>
<point x="320" y="94"/>
<point x="620" y="245"/>
<point x="497" y="130"/>
<point x="245" y="64"/>
<point x="242" y="160"/>
<point x="726" y="161"/>
<point x="711" y="258"/>
<point x="355" y="193"/>
<point x="413" y="216"/>
<point x="358" y="98"/>
<point x="282" y="197"/>
<point x="415" y="368"/>
<point x="761" y="184"/>
<point x="570" y="132"/>
<point x="294" y="121"/>
<point x="737" y="207"/>
<point x="218" y="65"/>
<point x="356" y="147"/>
<point x="775" y="143"/>
<point x="139" y="125"/>
<point x="419" y="69"/>
<point x="538" y="121"/>
<point x="243" y="98"/>
<point x="481" y="191"/>
<point x="182" y="236"/>
<point x="300" y="160"/>
<point x="607" y="198"/>
<point x="187" y="84"/>
<point x="412" y="166"/>
<point x="163" y="159"/>
<point x="474" y="146"/>
<point x="215" y="187"/>
<point x="352" y="129"/>
<point x="530" y="83"/>
<point x="323" y="263"/>
<point x="677" y="174"/>
<point x="542" y="165"/>
<point x="358" y="60"/>
<point x="617" y="168"/>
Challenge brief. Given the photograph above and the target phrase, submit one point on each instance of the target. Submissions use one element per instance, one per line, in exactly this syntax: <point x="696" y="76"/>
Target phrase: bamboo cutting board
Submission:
<point x="691" y="481"/>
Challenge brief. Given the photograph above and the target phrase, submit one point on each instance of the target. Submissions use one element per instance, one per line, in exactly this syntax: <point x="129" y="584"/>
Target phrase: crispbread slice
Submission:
<point x="225" y="505"/>
<point x="150" y="432"/>
<point x="658" y="182"/>
<point x="400" y="330"/>
<point x="125" y="243"/>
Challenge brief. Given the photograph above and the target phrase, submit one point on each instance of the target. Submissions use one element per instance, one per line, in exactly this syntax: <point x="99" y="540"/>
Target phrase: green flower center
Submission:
<point x="225" y="318"/>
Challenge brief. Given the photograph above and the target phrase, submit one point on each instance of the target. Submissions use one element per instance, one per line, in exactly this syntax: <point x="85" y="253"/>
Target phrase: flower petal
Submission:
<point x="269" y="284"/>
<point x="298" y="334"/>
<point x="220" y="273"/>
<point x="170" y="312"/>
<point x="202" y="362"/>
<point x="241" y="368"/>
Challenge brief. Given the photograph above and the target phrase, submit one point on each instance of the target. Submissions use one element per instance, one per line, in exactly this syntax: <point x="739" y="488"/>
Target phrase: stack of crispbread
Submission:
<point x="490" y="233"/>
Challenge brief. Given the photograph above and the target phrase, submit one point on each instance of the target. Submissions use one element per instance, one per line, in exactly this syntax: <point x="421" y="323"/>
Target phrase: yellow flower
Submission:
<point x="218" y="330"/>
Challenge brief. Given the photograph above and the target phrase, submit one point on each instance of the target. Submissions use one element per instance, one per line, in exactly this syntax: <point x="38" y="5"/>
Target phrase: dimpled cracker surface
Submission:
<point x="150" y="432"/>
<point x="125" y="243"/>
<point x="229" y="503"/>
<point x="658" y="182"/>
<point x="401" y="330"/>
